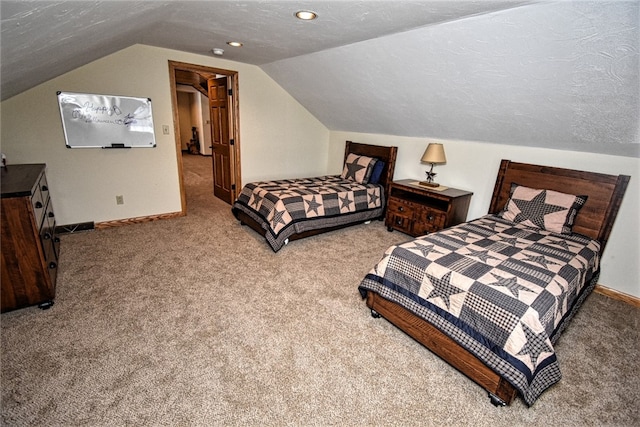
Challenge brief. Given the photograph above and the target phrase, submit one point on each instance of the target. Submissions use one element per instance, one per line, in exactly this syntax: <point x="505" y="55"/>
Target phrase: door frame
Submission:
<point x="234" y="124"/>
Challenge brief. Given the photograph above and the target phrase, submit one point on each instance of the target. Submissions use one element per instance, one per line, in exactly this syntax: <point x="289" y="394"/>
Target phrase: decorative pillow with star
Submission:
<point x="358" y="168"/>
<point x="545" y="209"/>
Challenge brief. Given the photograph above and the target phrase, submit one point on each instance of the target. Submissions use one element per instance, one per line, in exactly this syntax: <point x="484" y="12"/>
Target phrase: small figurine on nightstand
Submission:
<point x="430" y="176"/>
<point x="4" y="161"/>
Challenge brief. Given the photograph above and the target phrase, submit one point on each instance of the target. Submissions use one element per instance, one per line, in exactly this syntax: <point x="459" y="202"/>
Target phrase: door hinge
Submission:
<point x="231" y="142"/>
<point x="230" y="92"/>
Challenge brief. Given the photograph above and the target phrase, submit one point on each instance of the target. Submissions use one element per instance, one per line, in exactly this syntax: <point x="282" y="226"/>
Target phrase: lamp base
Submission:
<point x="429" y="184"/>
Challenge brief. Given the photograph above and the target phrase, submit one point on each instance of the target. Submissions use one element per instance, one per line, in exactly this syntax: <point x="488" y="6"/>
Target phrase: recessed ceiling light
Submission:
<point x="217" y="51"/>
<point x="306" y="15"/>
<point x="235" y="44"/>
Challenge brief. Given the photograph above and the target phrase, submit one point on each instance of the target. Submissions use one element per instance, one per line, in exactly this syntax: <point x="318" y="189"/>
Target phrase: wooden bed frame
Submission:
<point x="387" y="154"/>
<point x="595" y="220"/>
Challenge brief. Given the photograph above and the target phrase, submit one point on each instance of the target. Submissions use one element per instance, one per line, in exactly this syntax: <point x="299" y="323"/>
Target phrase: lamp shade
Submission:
<point x="434" y="154"/>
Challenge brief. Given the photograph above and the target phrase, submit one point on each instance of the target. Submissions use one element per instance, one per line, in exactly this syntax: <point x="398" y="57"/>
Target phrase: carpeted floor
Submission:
<point x="195" y="321"/>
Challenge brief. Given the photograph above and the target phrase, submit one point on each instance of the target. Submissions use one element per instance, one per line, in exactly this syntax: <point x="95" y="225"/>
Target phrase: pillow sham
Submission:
<point x="546" y="209"/>
<point x="358" y="168"/>
<point x="377" y="172"/>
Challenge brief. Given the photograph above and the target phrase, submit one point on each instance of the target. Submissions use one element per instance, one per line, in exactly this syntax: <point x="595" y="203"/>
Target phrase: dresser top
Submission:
<point x="19" y="180"/>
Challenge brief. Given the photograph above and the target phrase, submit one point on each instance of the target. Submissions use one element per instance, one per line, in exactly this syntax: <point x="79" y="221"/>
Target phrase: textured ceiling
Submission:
<point x="560" y="74"/>
<point x="44" y="39"/>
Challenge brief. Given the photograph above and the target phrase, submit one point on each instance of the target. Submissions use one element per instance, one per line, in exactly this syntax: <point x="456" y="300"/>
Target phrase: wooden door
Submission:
<point x="221" y="143"/>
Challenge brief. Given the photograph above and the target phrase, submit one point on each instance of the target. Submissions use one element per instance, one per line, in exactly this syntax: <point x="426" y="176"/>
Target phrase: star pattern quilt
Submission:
<point x="285" y="207"/>
<point x="503" y="291"/>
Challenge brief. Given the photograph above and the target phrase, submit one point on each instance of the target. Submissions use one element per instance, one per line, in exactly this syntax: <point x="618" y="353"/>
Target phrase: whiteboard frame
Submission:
<point x="106" y="121"/>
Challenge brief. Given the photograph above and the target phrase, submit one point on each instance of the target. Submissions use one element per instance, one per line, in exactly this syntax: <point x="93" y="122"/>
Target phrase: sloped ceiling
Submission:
<point x="562" y="75"/>
<point x="558" y="74"/>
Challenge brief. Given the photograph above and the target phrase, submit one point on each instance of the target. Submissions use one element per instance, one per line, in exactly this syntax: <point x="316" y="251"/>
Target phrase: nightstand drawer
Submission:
<point x="399" y="222"/>
<point x="433" y="217"/>
<point x="429" y="222"/>
<point x="400" y="207"/>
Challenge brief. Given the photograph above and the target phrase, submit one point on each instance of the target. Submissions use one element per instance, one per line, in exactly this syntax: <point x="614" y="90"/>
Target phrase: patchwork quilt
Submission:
<point x="501" y="290"/>
<point x="290" y="206"/>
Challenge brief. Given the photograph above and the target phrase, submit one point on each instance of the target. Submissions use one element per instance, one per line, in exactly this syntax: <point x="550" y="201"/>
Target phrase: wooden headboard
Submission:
<point x="387" y="154"/>
<point x="596" y="217"/>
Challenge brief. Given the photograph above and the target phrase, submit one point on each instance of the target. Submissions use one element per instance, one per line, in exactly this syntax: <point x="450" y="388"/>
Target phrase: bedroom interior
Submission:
<point x="471" y="76"/>
<point x="145" y="333"/>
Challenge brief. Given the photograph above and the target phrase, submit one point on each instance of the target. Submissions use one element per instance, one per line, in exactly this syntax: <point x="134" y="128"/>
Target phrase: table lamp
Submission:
<point x="433" y="154"/>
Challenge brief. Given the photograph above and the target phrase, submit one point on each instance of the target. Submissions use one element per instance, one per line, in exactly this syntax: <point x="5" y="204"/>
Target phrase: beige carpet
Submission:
<point x="195" y="321"/>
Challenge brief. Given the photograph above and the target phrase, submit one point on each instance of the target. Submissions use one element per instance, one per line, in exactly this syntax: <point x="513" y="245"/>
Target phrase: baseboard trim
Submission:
<point x="138" y="220"/>
<point x="75" y="228"/>
<point x="629" y="299"/>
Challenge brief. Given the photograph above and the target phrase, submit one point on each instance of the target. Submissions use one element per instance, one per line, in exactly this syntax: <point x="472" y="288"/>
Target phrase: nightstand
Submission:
<point x="417" y="210"/>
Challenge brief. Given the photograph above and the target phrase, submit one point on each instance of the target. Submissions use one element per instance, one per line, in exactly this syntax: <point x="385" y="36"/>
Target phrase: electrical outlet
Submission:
<point x="165" y="129"/>
<point x="119" y="200"/>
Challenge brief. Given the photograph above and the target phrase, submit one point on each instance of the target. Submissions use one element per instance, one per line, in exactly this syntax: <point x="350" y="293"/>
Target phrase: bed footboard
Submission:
<point x="500" y="391"/>
<point x="247" y="220"/>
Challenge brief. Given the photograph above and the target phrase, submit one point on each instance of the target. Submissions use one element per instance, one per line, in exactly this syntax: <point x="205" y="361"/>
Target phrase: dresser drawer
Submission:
<point x="43" y="188"/>
<point x="49" y="220"/>
<point x="51" y="250"/>
<point x="38" y="205"/>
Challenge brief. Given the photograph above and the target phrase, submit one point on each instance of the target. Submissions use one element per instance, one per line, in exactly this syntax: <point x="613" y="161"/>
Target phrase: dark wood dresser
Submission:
<point x="418" y="210"/>
<point x="30" y="247"/>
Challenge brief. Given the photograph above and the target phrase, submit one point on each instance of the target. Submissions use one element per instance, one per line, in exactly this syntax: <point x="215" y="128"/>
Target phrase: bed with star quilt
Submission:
<point x="491" y="296"/>
<point x="289" y="209"/>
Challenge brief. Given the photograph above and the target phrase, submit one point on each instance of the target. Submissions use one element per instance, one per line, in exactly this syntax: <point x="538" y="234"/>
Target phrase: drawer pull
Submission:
<point x="38" y="205"/>
<point x="398" y="222"/>
<point x="56" y="239"/>
<point x="430" y="217"/>
<point x="401" y="209"/>
<point x="50" y="214"/>
<point x="52" y="265"/>
<point x="46" y="236"/>
<point x="44" y="188"/>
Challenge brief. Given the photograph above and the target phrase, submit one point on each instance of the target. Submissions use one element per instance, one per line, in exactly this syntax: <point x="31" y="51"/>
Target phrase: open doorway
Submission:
<point x="194" y="120"/>
<point x="197" y="77"/>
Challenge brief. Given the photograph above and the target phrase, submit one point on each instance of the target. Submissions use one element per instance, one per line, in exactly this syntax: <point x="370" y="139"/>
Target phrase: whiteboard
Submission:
<point x="106" y="121"/>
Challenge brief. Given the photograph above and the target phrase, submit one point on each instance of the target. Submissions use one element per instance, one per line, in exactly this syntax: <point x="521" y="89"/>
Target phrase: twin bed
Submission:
<point x="490" y="296"/>
<point x="291" y="209"/>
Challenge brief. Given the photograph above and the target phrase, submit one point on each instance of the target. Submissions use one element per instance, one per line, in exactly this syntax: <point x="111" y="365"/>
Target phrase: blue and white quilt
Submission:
<point x="501" y="290"/>
<point x="289" y="206"/>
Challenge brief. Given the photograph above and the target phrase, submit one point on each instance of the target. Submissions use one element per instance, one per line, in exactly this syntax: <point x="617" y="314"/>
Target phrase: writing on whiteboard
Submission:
<point x="106" y="120"/>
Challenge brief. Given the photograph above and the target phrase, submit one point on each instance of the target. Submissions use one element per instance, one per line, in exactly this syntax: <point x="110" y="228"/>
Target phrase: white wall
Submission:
<point x="473" y="166"/>
<point x="197" y="116"/>
<point x="277" y="136"/>
<point x="205" y="125"/>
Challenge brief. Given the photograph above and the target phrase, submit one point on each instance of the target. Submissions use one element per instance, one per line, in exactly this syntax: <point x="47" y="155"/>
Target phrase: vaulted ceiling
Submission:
<point x="478" y="70"/>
